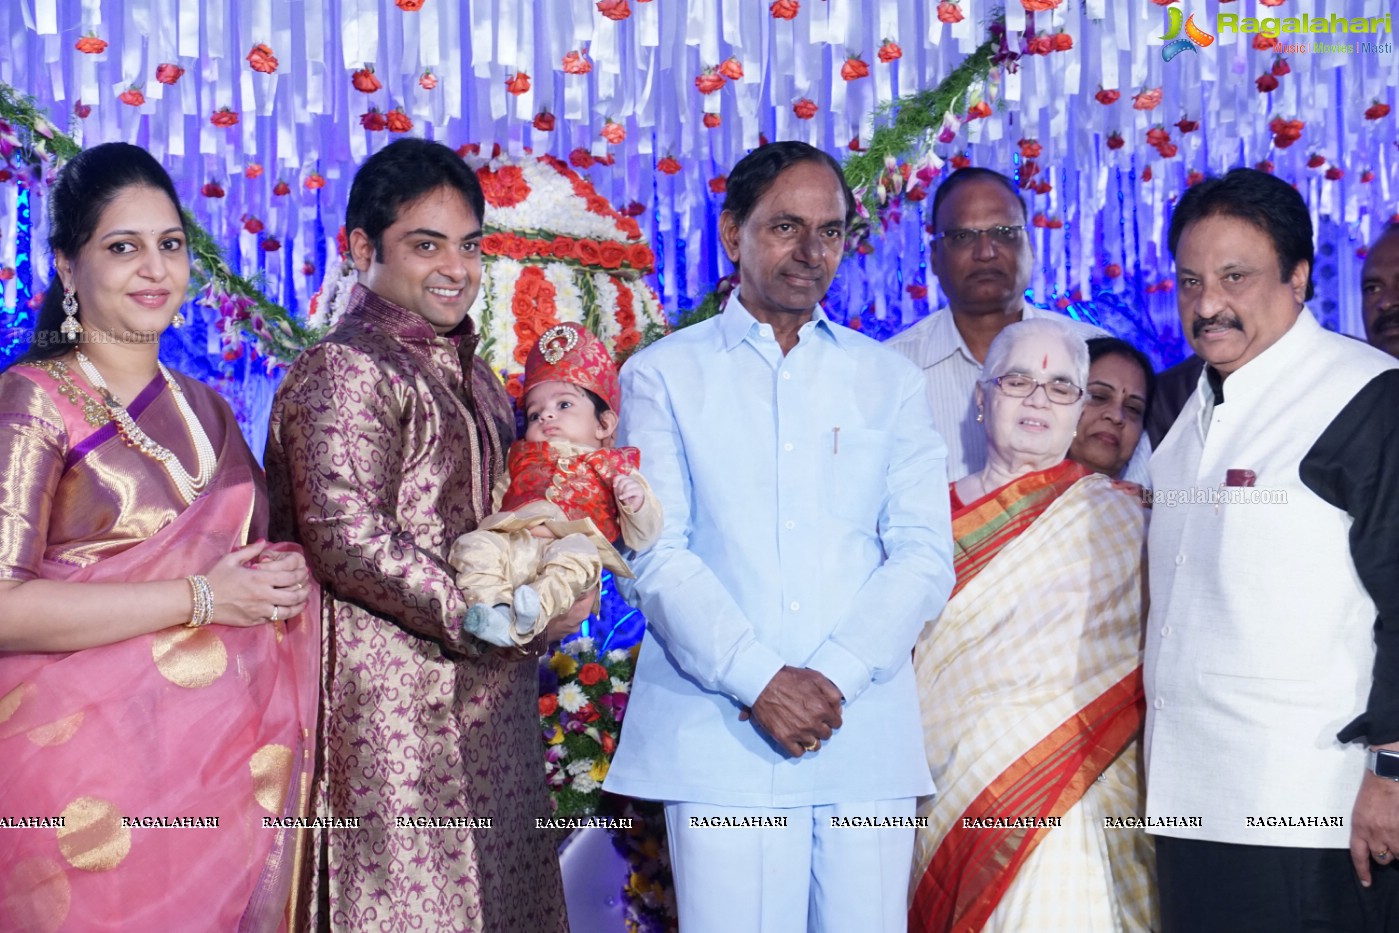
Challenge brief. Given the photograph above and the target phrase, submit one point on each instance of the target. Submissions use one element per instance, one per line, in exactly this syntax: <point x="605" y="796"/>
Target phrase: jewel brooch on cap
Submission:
<point x="556" y="342"/>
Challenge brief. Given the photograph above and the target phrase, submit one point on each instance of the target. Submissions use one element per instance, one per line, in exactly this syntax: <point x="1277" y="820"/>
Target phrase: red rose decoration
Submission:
<point x="168" y="73"/>
<point x="562" y="248"/>
<point x="1377" y="111"/>
<point x="1039" y="220"/>
<point x="960" y="160"/>
<point x="6" y="274"/>
<point x="1055" y="223"/>
<point x="1146" y="173"/>
<point x="81" y="110"/>
<point x="409" y="6"/>
<point x="308" y="268"/>
<point x="373" y="121"/>
<point x="889" y="51"/>
<point x="549" y="704"/>
<point x="1107" y="96"/>
<point x="428" y="81"/>
<point x="261" y="59"/>
<point x="1030" y="149"/>
<point x="519" y="84"/>
<point x="223" y="117"/>
<point x="1039" y="45"/>
<point x="581" y="158"/>
<point x="617" y="10"/>
<point x="1042" y="187"/>
<point x="1062" y="41"/>
<point x="709" y="81"/>
<point x="719" y="184"/>
<point x="364" y="80"/>
<point x="854" y="68"/>
<point x="575" y="64"/>
<point x="784" y="9"/>
<point x="1366" y="177"/>
<point x="271" y="245"/>
<point x="1271" y="2"/>
<point x="1266" y="83"/>
<point x="633" y="209"/>
<point x="504" y="187"/>
<point x="1112" y="271"/>
<point x="669" y="165"/>
<point x="91" y="45"/>
<point x="1028" y="170"/>
<point x="639" y="256"/>
<point x="855" y="144"/>
<point x="949" y="12"/>
<point x="611" y="254"/>
<point x="1194" y="177"/>
<point x="915" y="194"/>
<point x="252" y="224"/>
<point x="805" y="108"/>
<point x="1281" y="67"/>
<point x="1335" y="173"/>
<point x="314" y="181"/>
<point x="1157" y="135"/>
<point x="1264" y="42"/>
<point x="1115" y="140"/>
<point x="212" y="190"/>
<point x="398" y="121"/>
<point x="1146" y="100"/>
<point x="917" y="292"/>
<point x="1167" y="150"/>
<point x="254" y="170"/>
<point x="605" y="159"/>
<point x="979" y="110"/>
<point x="731" y="68"/>
<point x="613" y="132"/>
<point x="712" y="120"/>
<point x="1317" y="160"/>
<point x="281" y="189"/>
<point x="1039" y="6"/>
<point x="587" y="252"/>
<point x="608" y="743"/>
<point x="1187" y="126"/>
<point x="544" y="121"/>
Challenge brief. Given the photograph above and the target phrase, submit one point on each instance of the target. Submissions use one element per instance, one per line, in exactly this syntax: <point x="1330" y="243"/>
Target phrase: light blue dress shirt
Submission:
<point x="806" y="523"/>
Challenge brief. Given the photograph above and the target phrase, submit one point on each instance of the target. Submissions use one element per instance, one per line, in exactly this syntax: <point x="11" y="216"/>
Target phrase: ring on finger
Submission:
<point x="276" y="613"/>
<point x="815" y="744"/>
<point x="1382" y="855"/>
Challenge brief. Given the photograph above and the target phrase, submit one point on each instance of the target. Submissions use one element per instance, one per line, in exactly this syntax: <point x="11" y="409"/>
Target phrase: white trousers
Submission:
<point x="808" y="876"/>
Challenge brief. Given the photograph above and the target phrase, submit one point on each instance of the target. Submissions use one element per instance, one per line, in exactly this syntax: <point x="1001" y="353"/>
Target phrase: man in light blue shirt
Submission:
<point x="807" y="543"/>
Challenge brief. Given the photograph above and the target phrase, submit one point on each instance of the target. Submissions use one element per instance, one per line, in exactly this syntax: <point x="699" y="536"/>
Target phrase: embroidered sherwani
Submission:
<point x="384" y="444"/>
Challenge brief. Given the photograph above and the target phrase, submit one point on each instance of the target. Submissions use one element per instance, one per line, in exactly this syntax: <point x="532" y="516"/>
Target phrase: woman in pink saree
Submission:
<point x="158" y="661"/>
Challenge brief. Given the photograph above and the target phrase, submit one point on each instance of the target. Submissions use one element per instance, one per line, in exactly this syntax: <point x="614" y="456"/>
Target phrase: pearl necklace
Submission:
<point x="189" y="486"/>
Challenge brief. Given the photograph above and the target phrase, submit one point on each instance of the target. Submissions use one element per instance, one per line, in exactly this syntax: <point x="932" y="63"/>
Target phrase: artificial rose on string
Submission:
<point x="633" y="209"/>
<point x="960" y="160"/>
<point x="1266" y="83"/>
<point x="252" y="224"/>
<point x="1335" y="173"/>
<point x="1062" y="41"/>
<point x="709" y="81"/>
<point x="314" y="181"/>
<point x="212" y="190"/>
<point x="1038" y="45"/>
<point x="364" y="80"/>
<point x="544" y="121"/>
<point x="1146" y="100"/>
<point x="1157" y="136"/>
<point x="1146" y="173"/>
<point x="1030" y="148"/>
<point x="854" y="69"/>
<point x="518" y="84"/>
<point x="855" y="144"/>
<point x="980" y="110"/>
<point x="398" y="121"/>
<point x="1055" y="223"/>
<point x="168" y="73"/>
<point x="254" y="170"/>
<point x="1285" y="132"/>
<point x="262" y="60"/>
<point x="574" y="63"/>
<point x="410" y="6"/>
<point x="271" y="245"/>
<point x="805" y="108"/>
<point x="1042" y="187"/>
<point x="1264" y="42"/>
<point x="669" y="165"/>
<point x="712" y="120"/>
<point x="1317" y="160"/>
<point x="581" y="158"/>
<point x="224" y="116"/>
<point x="90" y="44"/>
<point x="427" y="81"/>
<point x="1039" y="6"/>
<point x="1366" y="177"/>
<point x="784" y="9"/>
<point x="1167" y="150"/>
<point x="281" y="189"/>
<point x="1107" y="96"/>
<point x="950" y="12"/>
<point x="1028" y="169"/>
<point x="617" y="10"/>
<point x="81" y="110"/>
<point x="1187" y="126"/>
<point x="1377" y="111"/>
<point x="1040" y="221"/>
<point x="731" y="68"/>
<point x="917" y="292"/>
<point x="889" y="51"/>
<point x="1115" y="140"/>
<point x="1271" y="2"/>
<point x="308" y="267"/>
<point x="373" y="121"/>
<point x="1281" y="67"/>
<point x="613" y="132"/>
<point x="1112" y="270"/>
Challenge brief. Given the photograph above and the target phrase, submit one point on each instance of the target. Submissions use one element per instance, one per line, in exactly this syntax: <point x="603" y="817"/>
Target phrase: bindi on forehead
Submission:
<point x="1044" y="362"/>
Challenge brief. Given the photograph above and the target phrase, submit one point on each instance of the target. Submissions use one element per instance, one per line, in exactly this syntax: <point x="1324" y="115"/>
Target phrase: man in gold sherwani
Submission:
<point x="385" y="440"/>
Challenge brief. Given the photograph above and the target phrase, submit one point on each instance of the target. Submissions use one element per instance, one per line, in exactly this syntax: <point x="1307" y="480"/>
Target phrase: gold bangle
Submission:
<point x="202" y="612"/>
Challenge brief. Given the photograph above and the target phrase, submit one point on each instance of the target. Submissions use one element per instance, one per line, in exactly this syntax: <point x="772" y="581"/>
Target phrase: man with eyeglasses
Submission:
<point x="982" y="258"/>
<point x="1271" y="665"/>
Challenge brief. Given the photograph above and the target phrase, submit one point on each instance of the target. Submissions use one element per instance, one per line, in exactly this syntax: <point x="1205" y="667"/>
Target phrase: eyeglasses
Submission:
<point x="1058" y="391"/>
<point x="967" y="237"/>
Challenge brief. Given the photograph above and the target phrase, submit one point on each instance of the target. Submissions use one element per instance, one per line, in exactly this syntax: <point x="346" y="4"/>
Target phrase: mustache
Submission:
<point x="1386" y="320"/>
<point x="1220" y="320"/>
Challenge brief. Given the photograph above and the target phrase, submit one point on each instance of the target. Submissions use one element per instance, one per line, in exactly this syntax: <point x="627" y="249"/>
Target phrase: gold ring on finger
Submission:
<point x="276" y="613"/>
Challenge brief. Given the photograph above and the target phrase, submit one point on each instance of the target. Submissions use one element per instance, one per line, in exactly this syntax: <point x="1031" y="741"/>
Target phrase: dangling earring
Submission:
<point x="178" y="320"/>
<point x="70" y="327"/>
<point x="980" y="416"/>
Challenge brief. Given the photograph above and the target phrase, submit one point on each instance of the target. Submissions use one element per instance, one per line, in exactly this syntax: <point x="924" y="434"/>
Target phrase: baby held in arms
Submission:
<point x="567" y="498"/>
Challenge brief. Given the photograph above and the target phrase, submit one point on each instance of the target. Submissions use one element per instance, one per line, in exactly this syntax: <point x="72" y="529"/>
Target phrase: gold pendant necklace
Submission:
<point x="189" y="486"/>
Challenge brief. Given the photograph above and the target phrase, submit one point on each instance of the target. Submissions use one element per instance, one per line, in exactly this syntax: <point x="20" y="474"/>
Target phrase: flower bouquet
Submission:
<point x="583" y="697"/>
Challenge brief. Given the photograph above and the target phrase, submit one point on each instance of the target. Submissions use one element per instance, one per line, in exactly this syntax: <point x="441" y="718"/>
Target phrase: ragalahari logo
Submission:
<point x="1194" y="35"/>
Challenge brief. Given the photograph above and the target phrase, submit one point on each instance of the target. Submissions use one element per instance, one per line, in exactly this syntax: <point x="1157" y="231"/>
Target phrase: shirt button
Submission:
<point x="1180" y="559"/>
<point x="1159" y="703"/>
<point x="795" y="607"/>
<point x="1165" y="630"/>
<point x="791" y="525"/>
<point x="788" y="446"/>
<point x="786" y="375"/>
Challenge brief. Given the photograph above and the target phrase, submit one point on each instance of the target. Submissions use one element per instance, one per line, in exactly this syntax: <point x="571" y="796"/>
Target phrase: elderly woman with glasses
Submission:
<point x="1030" y="680"/>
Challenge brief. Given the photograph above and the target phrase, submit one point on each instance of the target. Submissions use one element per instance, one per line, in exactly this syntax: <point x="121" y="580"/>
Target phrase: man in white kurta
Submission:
<point x="807" y="542"/>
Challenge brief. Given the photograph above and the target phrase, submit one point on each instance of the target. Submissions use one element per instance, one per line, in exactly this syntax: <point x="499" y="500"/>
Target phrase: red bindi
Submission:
<point x="1044" y="363"/>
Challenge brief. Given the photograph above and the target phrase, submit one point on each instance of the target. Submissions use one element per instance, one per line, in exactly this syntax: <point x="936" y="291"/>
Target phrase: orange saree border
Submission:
<point x="974" y="865"/>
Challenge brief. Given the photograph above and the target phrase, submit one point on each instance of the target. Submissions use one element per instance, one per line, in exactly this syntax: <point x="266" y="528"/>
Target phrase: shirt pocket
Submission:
<point x="855" y="474"/>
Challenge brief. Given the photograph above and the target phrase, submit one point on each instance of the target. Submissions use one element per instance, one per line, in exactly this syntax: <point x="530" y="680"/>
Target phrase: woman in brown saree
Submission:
<point x="1030" y="680"/>
<point x="158" y="667"/>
